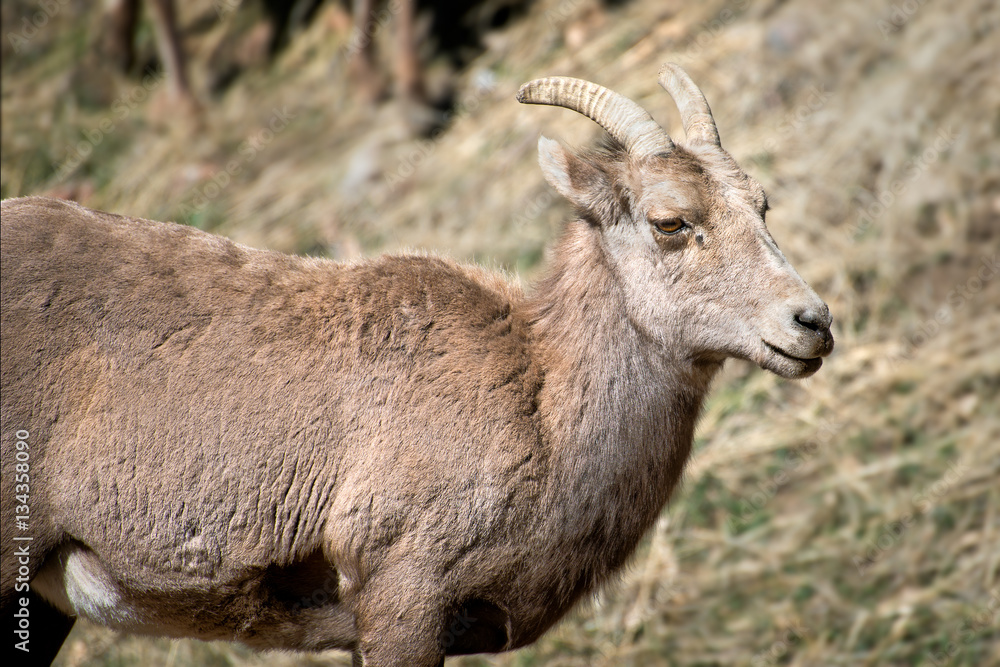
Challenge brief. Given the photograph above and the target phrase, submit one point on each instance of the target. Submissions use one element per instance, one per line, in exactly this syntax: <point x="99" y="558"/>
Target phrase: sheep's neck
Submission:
<point x="618" y="410"/>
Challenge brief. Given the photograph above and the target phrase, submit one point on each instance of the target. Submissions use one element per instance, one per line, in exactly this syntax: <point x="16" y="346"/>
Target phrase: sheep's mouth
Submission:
<point x="805" y="366"/>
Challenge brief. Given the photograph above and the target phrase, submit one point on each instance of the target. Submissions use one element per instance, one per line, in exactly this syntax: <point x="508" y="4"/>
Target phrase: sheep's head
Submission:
<point x="682" y="227"/>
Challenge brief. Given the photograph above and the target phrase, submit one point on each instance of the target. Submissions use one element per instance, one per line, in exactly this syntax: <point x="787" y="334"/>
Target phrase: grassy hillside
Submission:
<point x="849" y="519"/>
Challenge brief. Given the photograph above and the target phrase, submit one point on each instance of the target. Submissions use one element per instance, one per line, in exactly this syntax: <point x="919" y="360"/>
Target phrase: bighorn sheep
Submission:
<point x="403" y="457"/>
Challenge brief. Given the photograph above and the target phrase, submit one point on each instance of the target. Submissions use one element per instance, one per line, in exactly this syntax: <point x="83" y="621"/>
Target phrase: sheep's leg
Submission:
<point x="358" y="660"/>
<point x="47" y="629"/>
<point x="399" y="630"/>
<point x="397" y="642"/>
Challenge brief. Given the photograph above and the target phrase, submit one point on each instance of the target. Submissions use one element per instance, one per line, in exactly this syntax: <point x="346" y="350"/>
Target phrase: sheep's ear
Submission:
<point x="573" y="177"/>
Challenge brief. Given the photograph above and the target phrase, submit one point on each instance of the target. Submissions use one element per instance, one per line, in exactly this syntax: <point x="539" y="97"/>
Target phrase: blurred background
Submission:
<point x="849" y="519"/>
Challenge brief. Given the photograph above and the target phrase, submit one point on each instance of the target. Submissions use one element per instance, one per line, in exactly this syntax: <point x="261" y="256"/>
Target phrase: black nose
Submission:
<point x="816" y="319"/>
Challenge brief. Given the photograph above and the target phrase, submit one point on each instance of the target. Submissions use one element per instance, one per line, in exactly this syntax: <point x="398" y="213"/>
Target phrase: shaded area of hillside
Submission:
<point x="853" y="518"/>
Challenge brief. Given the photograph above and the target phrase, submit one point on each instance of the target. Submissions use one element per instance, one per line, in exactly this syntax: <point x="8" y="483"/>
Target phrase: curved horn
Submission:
<point x="699" y="126"/>
<point x="627" y="122"/>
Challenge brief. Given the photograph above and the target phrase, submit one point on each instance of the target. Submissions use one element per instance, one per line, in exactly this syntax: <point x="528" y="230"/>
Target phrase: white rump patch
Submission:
<point x="75" y="581"/>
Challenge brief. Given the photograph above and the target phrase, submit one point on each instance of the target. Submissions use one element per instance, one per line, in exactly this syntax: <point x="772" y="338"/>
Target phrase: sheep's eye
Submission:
<point x="669" y="226"/>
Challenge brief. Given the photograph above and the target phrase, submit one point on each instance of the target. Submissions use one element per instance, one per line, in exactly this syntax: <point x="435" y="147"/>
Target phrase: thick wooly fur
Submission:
<point x="404" y="457"/>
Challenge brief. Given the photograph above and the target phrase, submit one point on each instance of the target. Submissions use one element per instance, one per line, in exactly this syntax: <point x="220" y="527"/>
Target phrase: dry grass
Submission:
<point x="851" y="519"/>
